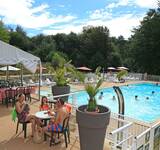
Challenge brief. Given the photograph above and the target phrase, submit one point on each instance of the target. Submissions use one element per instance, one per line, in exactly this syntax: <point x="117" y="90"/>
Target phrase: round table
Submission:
<point x="43" y="115"/>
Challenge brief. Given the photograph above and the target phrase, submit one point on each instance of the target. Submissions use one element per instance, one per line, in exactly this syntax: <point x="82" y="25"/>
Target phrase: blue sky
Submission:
<point x="63" y="16"/>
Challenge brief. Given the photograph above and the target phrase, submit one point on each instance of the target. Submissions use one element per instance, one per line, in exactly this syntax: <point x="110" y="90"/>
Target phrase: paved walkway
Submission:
<point x="10" y="141"/>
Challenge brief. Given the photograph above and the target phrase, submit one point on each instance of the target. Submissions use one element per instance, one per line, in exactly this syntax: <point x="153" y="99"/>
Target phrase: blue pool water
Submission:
<point x="147" y="110"/>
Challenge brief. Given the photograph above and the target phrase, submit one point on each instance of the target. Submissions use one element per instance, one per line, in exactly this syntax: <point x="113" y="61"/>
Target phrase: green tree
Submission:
<point x="95" y="42"/>
<point x="44" y="47"/>
<point x="4" y="33"/>
<point x="145" y="44"/>
<point x="20" y="39"/>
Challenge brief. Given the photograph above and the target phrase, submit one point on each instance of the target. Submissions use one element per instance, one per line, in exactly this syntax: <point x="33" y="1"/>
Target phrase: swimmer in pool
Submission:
<point x="136" y="97"/>
<point x="113" y="98"/>
<point x="153" y="92"/>
<point x="101" y="95"/>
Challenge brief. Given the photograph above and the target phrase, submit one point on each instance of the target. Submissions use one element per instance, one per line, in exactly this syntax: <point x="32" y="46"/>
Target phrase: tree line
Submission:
<point x="95" y="47"/>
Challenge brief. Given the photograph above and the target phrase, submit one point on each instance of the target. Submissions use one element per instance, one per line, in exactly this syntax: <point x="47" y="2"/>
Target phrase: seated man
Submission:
<point x="56" y="122"/>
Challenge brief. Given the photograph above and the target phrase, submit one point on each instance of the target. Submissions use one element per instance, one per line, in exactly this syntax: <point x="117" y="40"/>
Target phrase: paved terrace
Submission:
<point x="10" y="141"/>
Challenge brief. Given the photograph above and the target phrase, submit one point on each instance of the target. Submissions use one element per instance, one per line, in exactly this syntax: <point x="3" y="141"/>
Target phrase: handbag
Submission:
<point x="14" y="114"/>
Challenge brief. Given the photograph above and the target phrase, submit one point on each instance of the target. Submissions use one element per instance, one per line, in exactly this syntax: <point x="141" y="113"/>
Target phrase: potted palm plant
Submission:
<point x="92" y="120"/>
<point x="63" y="71"/>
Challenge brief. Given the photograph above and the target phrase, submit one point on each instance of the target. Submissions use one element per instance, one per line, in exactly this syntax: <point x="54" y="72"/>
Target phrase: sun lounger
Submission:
<point x="49" y="82"/>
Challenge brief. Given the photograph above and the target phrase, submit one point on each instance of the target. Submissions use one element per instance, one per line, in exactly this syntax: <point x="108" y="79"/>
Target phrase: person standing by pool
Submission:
<point x="101" y="95"/>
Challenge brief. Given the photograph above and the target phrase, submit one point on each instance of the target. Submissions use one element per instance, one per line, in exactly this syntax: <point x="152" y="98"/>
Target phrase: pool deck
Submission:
<point x="10" y="141"/>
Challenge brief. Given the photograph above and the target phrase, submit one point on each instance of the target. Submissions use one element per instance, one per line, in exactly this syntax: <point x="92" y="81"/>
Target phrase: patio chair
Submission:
<point x="48" y="82"/>
<point x="10" y="96"/>
<point x="31" y="81"/>
<point x="24" y="127"/>
<point x="65" y="131"/>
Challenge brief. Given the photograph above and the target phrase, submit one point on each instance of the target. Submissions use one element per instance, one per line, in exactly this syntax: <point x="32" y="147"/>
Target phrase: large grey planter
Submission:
<point x="92" y="127"/>
<point x="61" y="90"/>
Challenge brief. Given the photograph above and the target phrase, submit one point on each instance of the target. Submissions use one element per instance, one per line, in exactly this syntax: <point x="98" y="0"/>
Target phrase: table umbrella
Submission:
<point x="84" y="69"/>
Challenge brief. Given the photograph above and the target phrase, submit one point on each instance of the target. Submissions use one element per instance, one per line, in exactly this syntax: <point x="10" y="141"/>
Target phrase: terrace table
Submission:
<point x="43" y="115"/>
<point x="3" y="95"/>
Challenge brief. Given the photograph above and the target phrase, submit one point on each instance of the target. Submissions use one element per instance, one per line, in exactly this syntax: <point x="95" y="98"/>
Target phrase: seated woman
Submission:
<point x="56" y="122"/>
<point x="68" y="107"/>
<point x="23" y="115"/>
<point x="44" y="105"/>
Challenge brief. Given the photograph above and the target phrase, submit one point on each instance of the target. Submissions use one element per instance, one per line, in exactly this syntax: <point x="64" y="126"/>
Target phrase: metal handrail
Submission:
<point x="121" y="128"/>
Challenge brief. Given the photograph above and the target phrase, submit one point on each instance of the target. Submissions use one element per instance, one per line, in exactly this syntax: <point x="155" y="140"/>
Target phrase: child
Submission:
<point x="44" y="105"/>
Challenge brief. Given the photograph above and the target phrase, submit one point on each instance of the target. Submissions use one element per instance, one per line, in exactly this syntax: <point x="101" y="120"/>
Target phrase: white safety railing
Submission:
<point x="123" y="132"/>
<point x="149" y="139"/>
<point x="122" y="138"/>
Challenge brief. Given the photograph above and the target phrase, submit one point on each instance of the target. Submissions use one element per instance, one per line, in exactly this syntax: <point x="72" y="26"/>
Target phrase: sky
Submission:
<point x="63" y="16"/>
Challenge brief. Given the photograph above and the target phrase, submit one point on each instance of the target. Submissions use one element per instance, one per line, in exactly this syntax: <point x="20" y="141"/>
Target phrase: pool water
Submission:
<point x="144" y="109"/>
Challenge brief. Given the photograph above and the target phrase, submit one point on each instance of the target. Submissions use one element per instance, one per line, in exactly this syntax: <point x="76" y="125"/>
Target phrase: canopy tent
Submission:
<point x="10" y="55"/>
<point x="84" y="69"/>
<point x="10" y="68"/>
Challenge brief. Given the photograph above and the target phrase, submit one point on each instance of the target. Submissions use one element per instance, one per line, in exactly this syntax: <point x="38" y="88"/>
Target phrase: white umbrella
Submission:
<point x="84" y="68"/>
<point x="111" y="68"/>
<point x="122" y="68"/>
<point x="10" y="68"/>
<point x="7" y="69"/>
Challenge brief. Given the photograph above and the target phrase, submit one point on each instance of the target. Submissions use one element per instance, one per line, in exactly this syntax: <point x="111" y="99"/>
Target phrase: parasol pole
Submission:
<point x="40" y="76"/>
<point x="21" y="75"/>
<point x="7" y="72"/>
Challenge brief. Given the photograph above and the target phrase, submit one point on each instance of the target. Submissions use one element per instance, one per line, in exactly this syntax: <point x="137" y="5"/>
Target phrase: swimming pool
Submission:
<point x="144" y="109"/>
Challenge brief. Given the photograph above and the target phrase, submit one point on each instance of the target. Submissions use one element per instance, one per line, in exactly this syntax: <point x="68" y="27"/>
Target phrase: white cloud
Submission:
<point x="119" y="3"/>
<point x="122" y="25"/>
<point x="100" y="13"/>
<point x="64" y="29"/>
<point x="140" y="3"/>
<point x="23" y="12"/>
<point x="147" y="3"/>
<point x="123" y="2"/>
